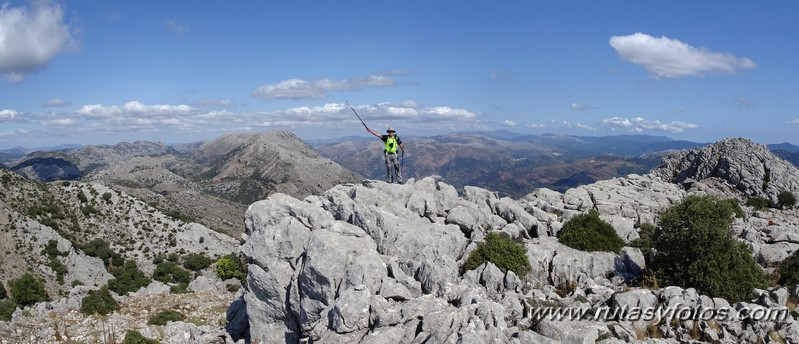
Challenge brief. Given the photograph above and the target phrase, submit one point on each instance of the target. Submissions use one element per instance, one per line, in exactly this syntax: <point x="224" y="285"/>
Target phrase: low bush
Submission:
<point x="163" y="317"/>
<point x="759" y="203"/>
<point x="788" y="271"/>
<point x="128" y="278"/>
<point x="3" y="293"/>
<point x="98" y="302"/>
<point x="7" y="308"/>
<point x="230" y="266"/>
<point x="135" y="337"/>
<point x="196" y="262"/>
<point x="502" y="252"/>
<point x="587" y="232"/>
<point x="28" y="290"/>
<point x="646" y="234"/>
<point x="169" y="272"/>
<point x="695" y="249"/>
<point x="786" y="200"/>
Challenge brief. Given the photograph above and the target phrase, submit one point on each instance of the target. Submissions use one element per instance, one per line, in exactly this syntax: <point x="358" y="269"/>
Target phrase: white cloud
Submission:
<point x="578" y="106"/>
<point x="59" y="122"/>
<point x="796" y="121"/>
<point x="639" y="125"/>
<point x="56" y="103"/>
<point x="30" y="37"/>
<point x="508" y="123"/>
<point x="7" y="115"/>
<point x="212" y="102"/>
<point x="535" y="125"/>
<point x="670" y="58"/>
<point x="584" y="126"/>
<point x="176" y="28"/>
<point x="305" y="89"/>
<point x="617" y="122"/>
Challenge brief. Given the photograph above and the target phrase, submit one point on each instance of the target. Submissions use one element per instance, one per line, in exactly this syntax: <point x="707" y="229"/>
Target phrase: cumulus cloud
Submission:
<point x="639" y="125"/>
<point x="315" y="89"/>
<point x="670" y="58"/>
<point x="617" y="122"/>
<point x="30" y="37"/>
<point x="585" y="126"/>
<point x="162" y="119"/>
<point x="55" y="103"/>
<point x="508" y="123"/>
<point x="7" y="115"/>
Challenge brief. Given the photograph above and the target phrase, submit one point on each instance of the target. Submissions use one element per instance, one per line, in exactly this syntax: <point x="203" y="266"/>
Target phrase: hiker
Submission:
<point x="392" y="141"/>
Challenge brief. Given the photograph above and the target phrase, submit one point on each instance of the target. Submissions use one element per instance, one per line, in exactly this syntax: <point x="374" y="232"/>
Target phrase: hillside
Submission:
<point x="373" y="262"/>
<point x="211" y="183"/>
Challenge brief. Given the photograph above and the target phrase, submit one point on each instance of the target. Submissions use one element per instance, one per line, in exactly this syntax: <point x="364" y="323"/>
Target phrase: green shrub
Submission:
<point x="28" y="290"/>
<point x="759" y="203"/>
<point x="166" y="316"/>
<point x="7" y="308"/>
<point x="128" y="279"/>
<point x="646" y="234"/>
<point x="196" y="262"/>
<point x="3" y="293"/>
<point x="169" y="272"/>
<point x="696" y="250"/>
<point x="230" y="266"/>
<point x="788" y="271"/>
<point x="101" y="249"/>
<point x="502" y="252"/>
<point x="786" y="200"/>
<point x="587" y="232"/>
<point x="98" y="302"/>
<point x="135" y="337"/>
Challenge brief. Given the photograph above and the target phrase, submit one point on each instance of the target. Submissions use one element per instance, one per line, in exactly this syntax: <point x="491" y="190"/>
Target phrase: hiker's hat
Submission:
<point x="391" y="130"/>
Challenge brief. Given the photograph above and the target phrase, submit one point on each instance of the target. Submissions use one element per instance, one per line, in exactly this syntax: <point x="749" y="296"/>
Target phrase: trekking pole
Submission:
<point x="356" y="114"/>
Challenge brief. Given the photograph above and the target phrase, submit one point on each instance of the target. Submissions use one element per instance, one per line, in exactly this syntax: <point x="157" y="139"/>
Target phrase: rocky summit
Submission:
<point x="372" y="262"/>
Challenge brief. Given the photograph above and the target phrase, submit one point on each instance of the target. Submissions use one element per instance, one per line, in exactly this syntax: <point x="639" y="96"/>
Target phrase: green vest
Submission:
<point x="391" y="144"/>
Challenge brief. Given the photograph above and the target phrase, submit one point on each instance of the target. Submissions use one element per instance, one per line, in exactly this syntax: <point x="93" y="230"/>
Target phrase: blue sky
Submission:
<point x="101" y="72"/>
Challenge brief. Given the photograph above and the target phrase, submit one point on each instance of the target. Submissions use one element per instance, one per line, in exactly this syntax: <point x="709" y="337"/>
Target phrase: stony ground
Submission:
<point x="204" y="312"/>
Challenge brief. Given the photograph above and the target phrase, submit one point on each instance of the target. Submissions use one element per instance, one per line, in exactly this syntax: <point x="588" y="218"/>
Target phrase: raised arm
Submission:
<point x="374" y="133"/>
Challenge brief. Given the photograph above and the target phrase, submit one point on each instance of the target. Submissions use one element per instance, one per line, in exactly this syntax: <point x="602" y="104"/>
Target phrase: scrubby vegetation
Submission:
<point x="196" y="262"/>
<point x="502" y="252"/>
<point x="696" y="250"/>
<point x="786" y="200"/>
<point x="163" y="317"/>
<point x="28" y="290"/>
<point x="587" y="232"/>
<point x="128" y="278"/>
<point x="98" y="302"/>
<point x="788" y="271"/>
<point x="7" y="308"/>
<point x="230" y="266"/>
<point x="646" y="235"/>
<point x="135" y="337"/>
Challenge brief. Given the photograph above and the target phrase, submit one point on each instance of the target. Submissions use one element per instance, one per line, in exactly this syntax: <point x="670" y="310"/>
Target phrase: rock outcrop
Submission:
<point x="380" y="263"/>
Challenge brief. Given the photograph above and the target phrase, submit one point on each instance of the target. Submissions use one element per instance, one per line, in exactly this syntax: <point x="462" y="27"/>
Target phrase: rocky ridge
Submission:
<point x="379" y="263"/>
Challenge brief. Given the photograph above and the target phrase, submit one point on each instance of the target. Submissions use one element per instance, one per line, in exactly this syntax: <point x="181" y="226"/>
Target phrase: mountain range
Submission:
<point x="334" y="257"/>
